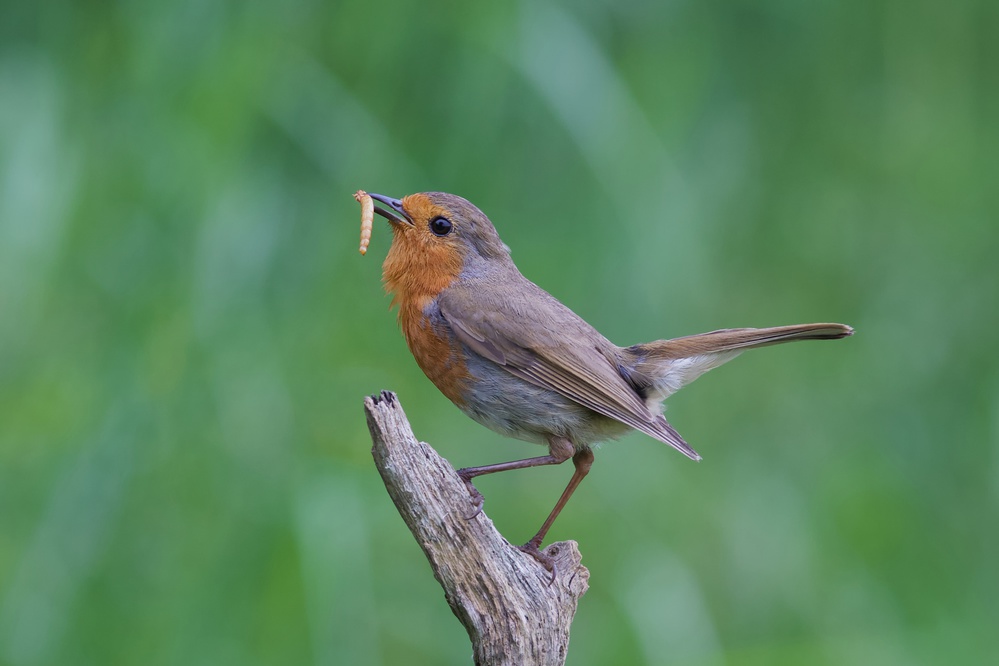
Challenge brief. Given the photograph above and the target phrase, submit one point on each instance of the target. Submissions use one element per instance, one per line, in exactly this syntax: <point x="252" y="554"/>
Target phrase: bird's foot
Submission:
<point x="477" y="499"/>
<point x="533" y="548"/>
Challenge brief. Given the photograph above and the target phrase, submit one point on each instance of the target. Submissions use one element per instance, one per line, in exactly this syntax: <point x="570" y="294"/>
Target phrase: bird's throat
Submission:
<point x="420" y="274"/>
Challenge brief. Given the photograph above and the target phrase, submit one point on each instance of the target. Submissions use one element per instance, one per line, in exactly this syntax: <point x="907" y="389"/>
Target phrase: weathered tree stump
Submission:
<point x="503" y="597"/>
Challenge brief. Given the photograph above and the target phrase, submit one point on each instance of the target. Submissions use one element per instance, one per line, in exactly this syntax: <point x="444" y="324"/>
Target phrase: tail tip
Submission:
<point x="832" y="331"/>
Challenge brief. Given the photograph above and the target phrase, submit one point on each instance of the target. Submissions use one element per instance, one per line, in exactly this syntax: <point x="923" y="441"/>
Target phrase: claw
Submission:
<point x="477" y="499"/>
<point x="547" y="561"/>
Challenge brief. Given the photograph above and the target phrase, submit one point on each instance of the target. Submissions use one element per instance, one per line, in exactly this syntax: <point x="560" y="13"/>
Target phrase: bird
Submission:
<point x="516" y="360"/>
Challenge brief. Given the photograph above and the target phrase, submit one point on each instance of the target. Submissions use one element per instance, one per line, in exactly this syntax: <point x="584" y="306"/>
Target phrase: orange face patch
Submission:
<point x="418" y="267"/>
<point x="419" y="264"/>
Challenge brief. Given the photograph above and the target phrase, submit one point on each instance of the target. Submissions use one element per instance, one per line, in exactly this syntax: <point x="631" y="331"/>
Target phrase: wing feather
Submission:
<point x="587" y="374"/>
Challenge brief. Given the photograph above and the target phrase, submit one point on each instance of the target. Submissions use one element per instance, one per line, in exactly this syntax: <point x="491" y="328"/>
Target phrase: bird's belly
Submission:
<point x="517" y="408"/>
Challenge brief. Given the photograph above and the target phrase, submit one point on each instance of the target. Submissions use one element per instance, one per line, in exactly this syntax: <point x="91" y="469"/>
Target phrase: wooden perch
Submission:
<point x="502" y="596"/>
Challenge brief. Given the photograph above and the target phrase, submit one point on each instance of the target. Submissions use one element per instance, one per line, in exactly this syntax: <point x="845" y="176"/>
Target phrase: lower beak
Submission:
<point x="396" y="205"/>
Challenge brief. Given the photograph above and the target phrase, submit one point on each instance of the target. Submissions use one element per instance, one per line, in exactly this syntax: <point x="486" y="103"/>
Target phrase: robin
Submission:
<point x="518" y="361"/>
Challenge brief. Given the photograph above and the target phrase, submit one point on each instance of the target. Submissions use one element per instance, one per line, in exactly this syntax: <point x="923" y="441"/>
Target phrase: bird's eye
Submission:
<point x="440" y="226"/>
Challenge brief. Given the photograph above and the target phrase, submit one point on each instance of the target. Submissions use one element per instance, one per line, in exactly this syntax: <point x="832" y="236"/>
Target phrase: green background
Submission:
<point x="187" y="330"/>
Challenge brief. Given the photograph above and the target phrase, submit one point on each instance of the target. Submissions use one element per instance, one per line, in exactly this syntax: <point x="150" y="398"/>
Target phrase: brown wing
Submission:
<point x="562" y="353"/>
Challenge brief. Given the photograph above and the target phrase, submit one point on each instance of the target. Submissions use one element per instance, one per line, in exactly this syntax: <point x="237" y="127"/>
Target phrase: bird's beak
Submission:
<point x="396" y="205"/>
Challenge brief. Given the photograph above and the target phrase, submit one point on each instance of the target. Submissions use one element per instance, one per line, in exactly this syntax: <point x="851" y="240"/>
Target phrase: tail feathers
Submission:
<point x="738" y="339"/>
<point x="659" y="369"/>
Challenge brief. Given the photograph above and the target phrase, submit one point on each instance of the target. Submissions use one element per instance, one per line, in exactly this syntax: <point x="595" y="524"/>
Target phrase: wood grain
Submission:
<point x="500" y="595"/>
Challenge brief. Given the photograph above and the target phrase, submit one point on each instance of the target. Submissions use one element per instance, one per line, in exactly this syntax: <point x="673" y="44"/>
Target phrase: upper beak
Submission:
<point x="396" y="205"/>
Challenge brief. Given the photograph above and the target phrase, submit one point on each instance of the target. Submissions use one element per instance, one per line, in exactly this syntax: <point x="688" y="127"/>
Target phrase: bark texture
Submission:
<point x="501" y="595"/>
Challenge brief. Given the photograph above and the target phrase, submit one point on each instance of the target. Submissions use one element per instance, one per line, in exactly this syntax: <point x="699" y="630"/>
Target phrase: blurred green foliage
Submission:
<point x="187" y="330"/>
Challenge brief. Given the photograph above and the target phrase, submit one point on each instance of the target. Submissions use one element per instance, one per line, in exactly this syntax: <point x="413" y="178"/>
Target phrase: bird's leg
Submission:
<point x="559" y="450"/>
<point x="583" y="460"/>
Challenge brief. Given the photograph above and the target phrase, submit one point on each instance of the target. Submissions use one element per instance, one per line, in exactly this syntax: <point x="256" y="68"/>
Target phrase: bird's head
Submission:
<point x="435" y="238"/>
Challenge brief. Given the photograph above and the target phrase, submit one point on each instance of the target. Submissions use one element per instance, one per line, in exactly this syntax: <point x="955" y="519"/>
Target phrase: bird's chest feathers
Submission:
<point x="434" y="347"/>
<point x="415" y="273"/>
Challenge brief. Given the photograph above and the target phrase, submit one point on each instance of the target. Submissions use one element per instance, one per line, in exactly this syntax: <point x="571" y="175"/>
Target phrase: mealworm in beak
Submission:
<point x="367" y="218"/>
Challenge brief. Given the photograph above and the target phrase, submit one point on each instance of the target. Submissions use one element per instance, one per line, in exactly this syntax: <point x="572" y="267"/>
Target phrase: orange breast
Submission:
<point x="418" y="267"/>
<point x="435" y="351"/>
